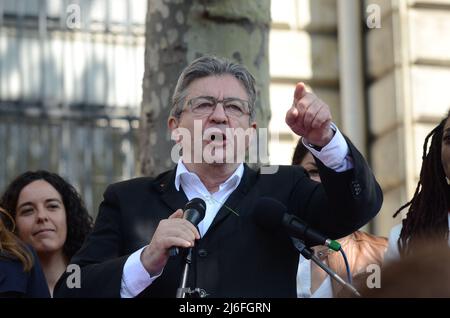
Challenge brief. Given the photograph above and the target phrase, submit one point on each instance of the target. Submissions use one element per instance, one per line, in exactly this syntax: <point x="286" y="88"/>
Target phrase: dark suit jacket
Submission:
<point x="235" y="258"/>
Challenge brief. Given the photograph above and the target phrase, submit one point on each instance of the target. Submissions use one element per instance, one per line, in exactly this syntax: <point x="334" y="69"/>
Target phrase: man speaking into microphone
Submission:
<point x="141" y="221"/>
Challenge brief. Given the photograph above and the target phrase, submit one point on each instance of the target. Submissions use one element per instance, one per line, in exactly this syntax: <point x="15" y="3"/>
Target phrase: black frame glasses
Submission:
<point x="206" y="105"/>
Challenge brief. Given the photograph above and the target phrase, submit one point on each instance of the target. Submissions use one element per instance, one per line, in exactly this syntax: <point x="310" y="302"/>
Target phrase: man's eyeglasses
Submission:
<point x="205" y="105"/>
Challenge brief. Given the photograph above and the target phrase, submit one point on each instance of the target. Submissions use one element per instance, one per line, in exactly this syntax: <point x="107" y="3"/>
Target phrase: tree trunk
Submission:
<point x="178" y="32"/>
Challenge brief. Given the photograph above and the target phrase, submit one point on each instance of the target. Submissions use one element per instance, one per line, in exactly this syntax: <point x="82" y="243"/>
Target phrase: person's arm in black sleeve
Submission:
<point x="100" y="259"/>
<point x="349" y="196"/>
<point x="343" y="202"/>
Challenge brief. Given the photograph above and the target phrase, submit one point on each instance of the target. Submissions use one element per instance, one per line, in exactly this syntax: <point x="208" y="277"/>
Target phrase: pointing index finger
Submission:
<point x="300" y="91"/>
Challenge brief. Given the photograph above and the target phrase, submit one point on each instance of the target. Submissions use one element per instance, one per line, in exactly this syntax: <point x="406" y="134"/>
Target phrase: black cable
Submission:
<point x="347" y="266"/>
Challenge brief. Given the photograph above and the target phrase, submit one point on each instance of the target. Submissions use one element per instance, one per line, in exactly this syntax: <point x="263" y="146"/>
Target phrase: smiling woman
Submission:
<point x="50" y="216"/>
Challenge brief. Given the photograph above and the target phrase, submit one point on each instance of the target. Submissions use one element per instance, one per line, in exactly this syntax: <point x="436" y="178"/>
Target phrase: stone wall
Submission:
<point x="303" y="47"/>
<point x="407" y="67"/>
<point x="408" y="71"/>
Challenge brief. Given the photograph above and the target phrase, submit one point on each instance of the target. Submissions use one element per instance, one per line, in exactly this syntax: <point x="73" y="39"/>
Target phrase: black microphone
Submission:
<point x="272" y="215"/>
<point x="194" y="212"/>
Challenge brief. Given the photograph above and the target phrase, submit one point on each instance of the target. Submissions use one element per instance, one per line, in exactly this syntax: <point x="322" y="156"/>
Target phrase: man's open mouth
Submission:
<point x="215" y="136"/>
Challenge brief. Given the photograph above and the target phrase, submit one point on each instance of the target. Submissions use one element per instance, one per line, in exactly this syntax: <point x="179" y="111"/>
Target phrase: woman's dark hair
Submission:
<point x="427" y="217"/>
<point x="79" y="222"/>
<point x="299" y="153"/>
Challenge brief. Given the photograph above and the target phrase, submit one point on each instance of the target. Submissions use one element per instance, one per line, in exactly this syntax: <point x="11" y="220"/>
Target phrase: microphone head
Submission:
<point x="268" y="213"/>
<point x="196" y="203"/>
<point x="194" y="211"/>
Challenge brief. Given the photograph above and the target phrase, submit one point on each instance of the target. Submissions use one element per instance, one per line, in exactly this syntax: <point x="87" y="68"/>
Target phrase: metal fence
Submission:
<point x="70" y="90"/>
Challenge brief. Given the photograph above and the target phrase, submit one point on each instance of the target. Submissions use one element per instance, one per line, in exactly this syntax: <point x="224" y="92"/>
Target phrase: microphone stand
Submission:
<point x="186" y="292"/>
<point x="309" y="254"/>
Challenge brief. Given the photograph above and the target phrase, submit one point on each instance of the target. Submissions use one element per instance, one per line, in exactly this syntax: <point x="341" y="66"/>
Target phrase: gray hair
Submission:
<point x="208" y="66"/>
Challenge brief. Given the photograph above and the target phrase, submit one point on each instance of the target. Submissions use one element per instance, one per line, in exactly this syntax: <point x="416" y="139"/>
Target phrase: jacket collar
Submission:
<point x="182" y="172"/>
<point x="165" y="185"/>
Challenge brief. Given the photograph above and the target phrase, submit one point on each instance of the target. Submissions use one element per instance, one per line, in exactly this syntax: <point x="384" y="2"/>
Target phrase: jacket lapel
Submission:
<point x="165" y="185"/>
<point x="231" y="204"/>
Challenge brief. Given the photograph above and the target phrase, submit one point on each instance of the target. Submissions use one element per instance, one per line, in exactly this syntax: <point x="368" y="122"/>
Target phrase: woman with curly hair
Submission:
<point x="50" y="216"/>
<point x="20" y="274"/>
<point x="428" y="215"/>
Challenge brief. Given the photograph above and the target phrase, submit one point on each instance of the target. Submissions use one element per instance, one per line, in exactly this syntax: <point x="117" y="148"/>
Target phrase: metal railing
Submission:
<point x="70" y="90"/>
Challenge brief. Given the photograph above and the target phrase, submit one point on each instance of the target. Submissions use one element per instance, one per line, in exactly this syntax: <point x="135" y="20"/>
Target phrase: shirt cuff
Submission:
<point x="336" y="154"/>
<point x="135" y="277"/>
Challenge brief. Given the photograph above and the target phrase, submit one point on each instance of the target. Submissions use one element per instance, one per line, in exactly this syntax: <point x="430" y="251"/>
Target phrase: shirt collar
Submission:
<point x="231" y="182"/>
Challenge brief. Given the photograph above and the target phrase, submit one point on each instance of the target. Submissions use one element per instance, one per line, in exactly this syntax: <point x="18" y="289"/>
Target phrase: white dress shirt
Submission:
<point x="335" y="155"/>
<point x="194" y="188"/>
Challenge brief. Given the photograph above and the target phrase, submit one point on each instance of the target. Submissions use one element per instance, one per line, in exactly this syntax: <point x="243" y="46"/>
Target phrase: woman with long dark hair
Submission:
<point x="428" y="217"/>
<point x="50" y="216"/>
